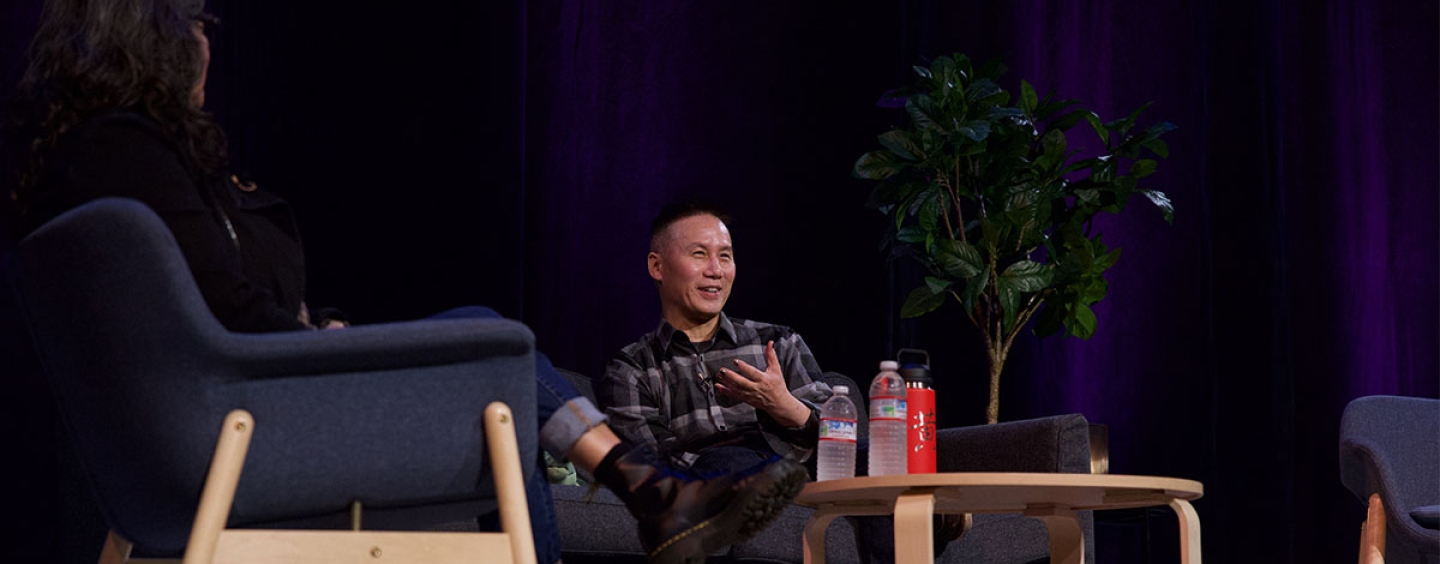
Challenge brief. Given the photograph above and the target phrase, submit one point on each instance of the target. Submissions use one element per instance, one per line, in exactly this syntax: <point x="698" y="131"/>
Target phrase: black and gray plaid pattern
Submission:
<point x="659" y="390"/>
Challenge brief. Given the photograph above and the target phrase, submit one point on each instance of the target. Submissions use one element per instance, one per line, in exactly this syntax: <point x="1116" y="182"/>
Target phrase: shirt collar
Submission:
<point x="671" y="336"/>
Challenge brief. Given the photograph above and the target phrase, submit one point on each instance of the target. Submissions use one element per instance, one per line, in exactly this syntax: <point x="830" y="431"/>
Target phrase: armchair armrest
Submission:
<point x="1049" y="444"/>
<point x="412" y="344"/>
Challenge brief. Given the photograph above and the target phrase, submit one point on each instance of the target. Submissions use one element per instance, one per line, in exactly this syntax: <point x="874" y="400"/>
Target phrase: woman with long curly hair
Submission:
<point x="112" y="105"/>
<point x="93" y="58"/>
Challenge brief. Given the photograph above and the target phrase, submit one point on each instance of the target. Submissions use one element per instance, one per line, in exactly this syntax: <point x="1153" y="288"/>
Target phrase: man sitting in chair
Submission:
<point x="714" y="393"/>
<point x="692" y="388"/>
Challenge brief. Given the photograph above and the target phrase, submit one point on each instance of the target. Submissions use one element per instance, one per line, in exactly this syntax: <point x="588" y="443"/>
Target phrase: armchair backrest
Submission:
<point x="143" y="375"/>
<point x="1390" y="445"/>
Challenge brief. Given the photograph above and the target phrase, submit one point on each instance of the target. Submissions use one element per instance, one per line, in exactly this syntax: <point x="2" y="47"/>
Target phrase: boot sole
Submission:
<point x="775" y="488"/>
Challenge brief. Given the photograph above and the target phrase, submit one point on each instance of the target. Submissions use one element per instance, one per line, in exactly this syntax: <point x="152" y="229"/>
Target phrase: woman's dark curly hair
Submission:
<point x="91" y="57"/>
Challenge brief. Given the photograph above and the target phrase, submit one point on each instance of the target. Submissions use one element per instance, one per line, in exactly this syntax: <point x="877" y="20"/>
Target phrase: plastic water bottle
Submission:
<point x="887" y="421"/>
<point x="837" y="437"/>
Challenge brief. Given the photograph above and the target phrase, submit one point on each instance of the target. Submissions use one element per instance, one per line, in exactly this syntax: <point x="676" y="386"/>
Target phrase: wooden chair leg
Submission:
<point x="116" y="550"/>
<point x="509" y="481"/>
<point x="210" y="542"/>
<point x="1372" y="533"/>
<point x="220" y="484"/>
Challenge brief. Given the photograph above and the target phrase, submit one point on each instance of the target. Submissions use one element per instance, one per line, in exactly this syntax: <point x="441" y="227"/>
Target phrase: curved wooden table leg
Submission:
<point x="814" y="542"/>
<point x="914" y="528"/>
<point x="1067" y="542"/>
<point x="1189" y="531"/>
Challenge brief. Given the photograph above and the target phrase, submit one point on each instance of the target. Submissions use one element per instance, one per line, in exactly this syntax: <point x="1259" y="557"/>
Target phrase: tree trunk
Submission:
<point x="998" y="350"/>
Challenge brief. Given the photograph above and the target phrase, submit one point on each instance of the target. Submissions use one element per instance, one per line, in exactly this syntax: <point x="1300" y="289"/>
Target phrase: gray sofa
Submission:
<point x="597" y="529"/>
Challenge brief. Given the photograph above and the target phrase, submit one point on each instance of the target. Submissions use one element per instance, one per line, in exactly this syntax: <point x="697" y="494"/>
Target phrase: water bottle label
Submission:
<point x="837" y="430"/>
<point x="883" y="408"/>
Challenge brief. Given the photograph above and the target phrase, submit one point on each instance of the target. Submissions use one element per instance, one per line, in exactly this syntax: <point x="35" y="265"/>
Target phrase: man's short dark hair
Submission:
<point x="681" y="210"/>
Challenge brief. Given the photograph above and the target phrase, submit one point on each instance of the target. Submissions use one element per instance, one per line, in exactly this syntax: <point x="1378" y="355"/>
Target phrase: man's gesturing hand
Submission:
<point x="766" y="391"/>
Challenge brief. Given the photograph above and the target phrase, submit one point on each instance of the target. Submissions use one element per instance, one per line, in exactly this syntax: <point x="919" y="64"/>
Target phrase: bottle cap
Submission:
<point x="841" y="390"/>
<point x="914" y="371"/>
<point x="889" y="365"/>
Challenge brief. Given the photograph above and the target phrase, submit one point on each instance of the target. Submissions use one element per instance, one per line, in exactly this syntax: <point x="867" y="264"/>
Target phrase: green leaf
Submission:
<point x="1107" y="260"/>
<point x="930" y="214"/>
<point x="1142" y="168"/>
<point x="958" y="258"/>
<point x="982" y="90"/>
<point x="1094" y="291"/>
<point x="1028" y="99"/>
<point x="1158" y="147"/>
<point x="1022" y="199"/>
<point x="1167" y="210"/>
<point x="1009" y="304"/>
<point x="1131" y="147"/>
<point x="892" y="191"/>
<point x="921" y="109"/>
<point x="922" y="71"/>
<point x="943" y="69"/>
<point x="1122" y="126"/>
<point x="900" y="143"/>
<point x="878" y="165"/>
<point x="976" y="130"/>
<point x="1155" y="131"/>
<point x="937" y="285"/>
<point x="920" y="302"/>
<point x="1049" y="107"/>
<point x="1050" y="319"/>
<point x="1081" y="165"/>
<point x="1054" y="143"/>
<point x="910" y="234"/>
<point x="1099" y="127"/>
<point x="998" y="113"/>
<point x="1081" y="321"/>
<point x="1026" y="277"/>
<point x="1067" y="121"/>
<point x="974" y="287"/>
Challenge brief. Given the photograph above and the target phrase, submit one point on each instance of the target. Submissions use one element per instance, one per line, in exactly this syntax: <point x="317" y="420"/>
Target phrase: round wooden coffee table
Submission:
<point x="1052" y="498"/>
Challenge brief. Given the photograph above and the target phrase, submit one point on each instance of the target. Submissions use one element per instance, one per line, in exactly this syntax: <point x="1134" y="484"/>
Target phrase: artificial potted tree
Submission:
<point x="989" y="197"/>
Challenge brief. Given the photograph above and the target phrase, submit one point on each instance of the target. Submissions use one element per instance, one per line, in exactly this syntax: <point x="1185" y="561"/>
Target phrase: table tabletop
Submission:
<point x="1004" y="492"/>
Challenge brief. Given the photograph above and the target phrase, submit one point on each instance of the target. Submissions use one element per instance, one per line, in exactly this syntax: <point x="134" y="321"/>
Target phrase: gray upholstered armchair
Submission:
<point x="1390" y="460"/>
<point x="389" y="422"/>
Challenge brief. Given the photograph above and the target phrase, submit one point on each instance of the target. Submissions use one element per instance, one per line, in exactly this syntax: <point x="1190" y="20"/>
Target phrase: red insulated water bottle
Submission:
<point x="920" y="397"/>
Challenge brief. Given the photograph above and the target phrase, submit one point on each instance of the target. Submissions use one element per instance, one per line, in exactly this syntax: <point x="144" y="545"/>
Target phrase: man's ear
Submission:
<point x="652" y="263"/>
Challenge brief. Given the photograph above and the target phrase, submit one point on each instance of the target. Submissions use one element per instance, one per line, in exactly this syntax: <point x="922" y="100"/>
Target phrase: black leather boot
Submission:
<point x="683" y="518"/>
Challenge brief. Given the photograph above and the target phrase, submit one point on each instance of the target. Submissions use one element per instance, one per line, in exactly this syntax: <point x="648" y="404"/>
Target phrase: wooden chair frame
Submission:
<point x="1372" y="533"/>
<point x="212" y="543"/>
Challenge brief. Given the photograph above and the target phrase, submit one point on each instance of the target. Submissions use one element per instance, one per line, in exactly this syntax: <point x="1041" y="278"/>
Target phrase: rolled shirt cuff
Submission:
<point x="559" y="434"/>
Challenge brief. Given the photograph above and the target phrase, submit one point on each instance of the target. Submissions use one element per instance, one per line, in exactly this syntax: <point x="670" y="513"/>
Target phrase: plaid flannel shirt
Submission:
<point x="660" y="390"/>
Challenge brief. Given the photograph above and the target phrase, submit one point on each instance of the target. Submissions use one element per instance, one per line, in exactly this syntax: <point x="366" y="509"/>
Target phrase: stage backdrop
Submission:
<point x="512" y="154"/>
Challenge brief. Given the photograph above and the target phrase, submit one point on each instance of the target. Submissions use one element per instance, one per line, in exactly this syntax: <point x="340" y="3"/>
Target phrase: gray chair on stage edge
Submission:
<point x="595" y="528"/>
<point x="222" y="446"/>
<point x="1390" y="460"/>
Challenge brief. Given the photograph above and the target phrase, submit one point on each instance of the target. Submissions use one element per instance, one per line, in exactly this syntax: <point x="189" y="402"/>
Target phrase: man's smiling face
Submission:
<point x="693" y="264"/>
